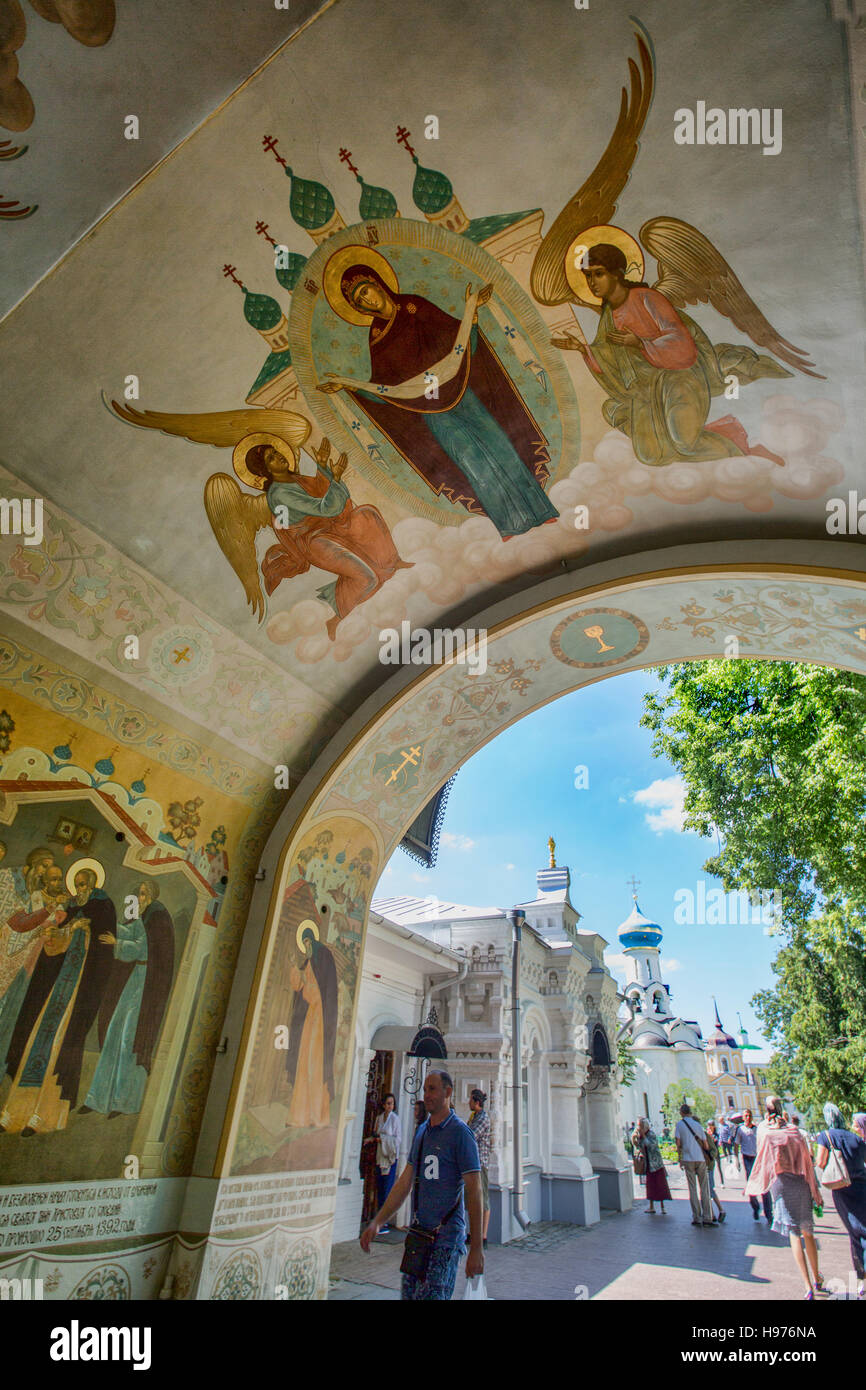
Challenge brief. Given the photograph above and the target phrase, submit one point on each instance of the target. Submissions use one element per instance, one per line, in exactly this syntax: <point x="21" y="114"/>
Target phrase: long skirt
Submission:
<point x="850" y="1202"/>
<point x="657" y="1189"/>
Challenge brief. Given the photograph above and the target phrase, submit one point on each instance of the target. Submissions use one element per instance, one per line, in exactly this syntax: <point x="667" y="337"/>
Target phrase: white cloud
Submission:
<point x="615" y="961"/>
<point x="510" y="867"/>
<point x="670" y="964"/>
<point x="664" y="797"/>
<point x="461" y="842"/>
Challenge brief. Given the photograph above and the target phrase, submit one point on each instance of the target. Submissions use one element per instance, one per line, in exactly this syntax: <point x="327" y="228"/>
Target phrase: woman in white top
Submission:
<point x="387" y="1141"/>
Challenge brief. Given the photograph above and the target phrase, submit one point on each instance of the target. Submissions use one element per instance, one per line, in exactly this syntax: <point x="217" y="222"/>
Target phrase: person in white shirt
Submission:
<point x="387" y="1140"/>
<point x="690" y="1140"/>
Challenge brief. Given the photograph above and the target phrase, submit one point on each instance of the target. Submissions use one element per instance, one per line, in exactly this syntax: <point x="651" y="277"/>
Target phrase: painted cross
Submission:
<point x="401" y="766"/>
<point x="411" y="756"/>
<point x="403" y="139"/>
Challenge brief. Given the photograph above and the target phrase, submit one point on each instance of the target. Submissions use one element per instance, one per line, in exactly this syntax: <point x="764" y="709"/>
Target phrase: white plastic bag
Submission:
<point x="476" y="1288"/>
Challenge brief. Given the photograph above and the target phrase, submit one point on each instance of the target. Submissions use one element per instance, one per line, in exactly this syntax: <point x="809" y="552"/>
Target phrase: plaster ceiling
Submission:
<point x="526" y="99"/>
<point x="170" y="62"/>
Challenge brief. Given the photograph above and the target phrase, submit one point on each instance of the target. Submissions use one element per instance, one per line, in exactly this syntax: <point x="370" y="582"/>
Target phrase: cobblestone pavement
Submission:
<point x="627" y="1255"/>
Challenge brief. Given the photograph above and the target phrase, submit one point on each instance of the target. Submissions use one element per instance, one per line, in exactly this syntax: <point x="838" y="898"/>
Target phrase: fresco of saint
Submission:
<point x="440" y="395"/>
<point x="313" y="1033"/>
<point x="61" y="1004"/>
<point x="132" y="1011"/>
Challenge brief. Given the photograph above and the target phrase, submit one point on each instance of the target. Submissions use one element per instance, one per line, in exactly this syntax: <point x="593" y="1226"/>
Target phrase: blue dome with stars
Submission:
<point x="638" y="930"/>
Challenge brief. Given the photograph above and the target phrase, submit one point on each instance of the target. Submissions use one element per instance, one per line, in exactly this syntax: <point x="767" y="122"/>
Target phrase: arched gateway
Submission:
<point x="320" y="467"/>
<point x="793" y="601"/>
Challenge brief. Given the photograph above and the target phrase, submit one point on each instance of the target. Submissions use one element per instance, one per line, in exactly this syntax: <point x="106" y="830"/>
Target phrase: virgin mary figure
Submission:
<point x="440" y="395"/>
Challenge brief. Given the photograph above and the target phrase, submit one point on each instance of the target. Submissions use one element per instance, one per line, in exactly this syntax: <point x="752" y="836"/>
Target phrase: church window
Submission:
<point x="725" y="1066"/>
<point x="730" y="1102"/>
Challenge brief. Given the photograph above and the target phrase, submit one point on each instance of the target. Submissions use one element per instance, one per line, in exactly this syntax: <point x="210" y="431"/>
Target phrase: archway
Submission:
<point x="371" y="782"/>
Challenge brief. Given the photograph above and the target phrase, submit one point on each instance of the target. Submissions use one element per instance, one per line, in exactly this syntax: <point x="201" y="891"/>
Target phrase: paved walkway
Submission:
<point x="627" y="1255"/>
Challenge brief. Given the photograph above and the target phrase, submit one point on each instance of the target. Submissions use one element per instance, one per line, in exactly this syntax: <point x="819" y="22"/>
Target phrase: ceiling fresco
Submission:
<point x="423" y="314"/>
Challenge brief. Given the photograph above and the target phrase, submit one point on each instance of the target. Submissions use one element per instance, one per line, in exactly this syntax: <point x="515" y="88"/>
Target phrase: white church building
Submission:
<point x="437" y="991"/>
<point x="667" y="1047"/>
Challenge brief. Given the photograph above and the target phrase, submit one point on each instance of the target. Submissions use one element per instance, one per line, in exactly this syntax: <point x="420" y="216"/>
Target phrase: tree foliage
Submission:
<point x="816" y="1014"/>
<point x="702" y="1102"/>
<point x="773" y="757"/>
<point x="626" y="1060"/>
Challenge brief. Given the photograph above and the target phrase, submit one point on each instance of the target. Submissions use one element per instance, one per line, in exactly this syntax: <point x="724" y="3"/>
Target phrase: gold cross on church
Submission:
<point x="634" y="883"/>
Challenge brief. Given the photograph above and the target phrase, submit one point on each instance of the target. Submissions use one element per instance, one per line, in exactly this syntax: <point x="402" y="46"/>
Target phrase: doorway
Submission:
<point x="380" y="1078"/>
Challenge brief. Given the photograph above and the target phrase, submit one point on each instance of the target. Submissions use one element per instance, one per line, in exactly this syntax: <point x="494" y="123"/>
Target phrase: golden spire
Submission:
<point x="551" y="845"/>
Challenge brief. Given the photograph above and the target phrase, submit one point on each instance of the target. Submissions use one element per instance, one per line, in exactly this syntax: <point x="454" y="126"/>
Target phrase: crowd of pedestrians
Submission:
<point x="446" y="1179"/>
<point x="783" y="1176"/>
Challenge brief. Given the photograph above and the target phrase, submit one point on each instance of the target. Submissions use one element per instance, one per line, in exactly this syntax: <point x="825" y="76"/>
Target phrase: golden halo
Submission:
<point x="80" y="864"/>
<point x="308" y="923"/>
<point x="336" y="267"/>
<point x="287" y="447"/>
<point x="614" y="236"/>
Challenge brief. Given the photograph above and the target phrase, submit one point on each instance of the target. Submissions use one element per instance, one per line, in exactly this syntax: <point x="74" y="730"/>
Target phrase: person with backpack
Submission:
<point x="692" y="1148"/>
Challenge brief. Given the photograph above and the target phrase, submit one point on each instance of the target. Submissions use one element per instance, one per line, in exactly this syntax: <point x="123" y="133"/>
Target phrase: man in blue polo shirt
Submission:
<point x="445" y="1156"/>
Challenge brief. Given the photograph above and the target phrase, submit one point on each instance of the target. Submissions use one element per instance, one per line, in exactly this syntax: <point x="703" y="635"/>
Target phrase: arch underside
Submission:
<point x="418" y="732"/>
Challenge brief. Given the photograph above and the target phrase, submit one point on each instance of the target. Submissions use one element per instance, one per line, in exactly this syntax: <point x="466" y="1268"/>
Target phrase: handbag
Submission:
<point x="835" y="1173"/>
<point x="639" y="1161"/>
<point x="419" y="1242"/>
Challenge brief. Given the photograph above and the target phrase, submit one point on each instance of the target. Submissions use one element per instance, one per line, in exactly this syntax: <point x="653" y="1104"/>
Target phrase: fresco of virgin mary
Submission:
<point x="440" y="395"/>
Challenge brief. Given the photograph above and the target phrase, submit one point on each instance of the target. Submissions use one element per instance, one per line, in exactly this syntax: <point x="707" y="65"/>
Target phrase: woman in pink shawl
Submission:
<point x="783" y="1168"/>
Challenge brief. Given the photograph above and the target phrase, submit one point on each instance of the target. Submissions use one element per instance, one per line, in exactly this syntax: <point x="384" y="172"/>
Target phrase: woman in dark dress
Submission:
<point x="644" y="1141"/>
<point x="850" y="1202"/>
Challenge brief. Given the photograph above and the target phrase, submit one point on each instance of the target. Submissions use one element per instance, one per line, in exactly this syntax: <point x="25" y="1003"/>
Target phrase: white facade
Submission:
<point x="667" y="1047"/>
<point x="458" y="959"/>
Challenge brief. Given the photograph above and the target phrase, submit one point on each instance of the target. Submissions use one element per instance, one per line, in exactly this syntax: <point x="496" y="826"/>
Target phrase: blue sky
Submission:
<point x="520" y="789"/>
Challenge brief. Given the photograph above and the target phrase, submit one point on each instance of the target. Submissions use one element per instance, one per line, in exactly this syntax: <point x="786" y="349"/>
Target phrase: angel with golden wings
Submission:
<point x="314" y="521"/>
<point x="658" y="367"/>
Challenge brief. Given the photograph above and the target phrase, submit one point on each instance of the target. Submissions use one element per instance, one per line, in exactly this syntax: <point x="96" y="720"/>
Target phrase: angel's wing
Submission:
<point x="223" y="428"/>
<point x="595" y="203"/>
<point x="236" y="517"/>
<point x="692" y="271"/>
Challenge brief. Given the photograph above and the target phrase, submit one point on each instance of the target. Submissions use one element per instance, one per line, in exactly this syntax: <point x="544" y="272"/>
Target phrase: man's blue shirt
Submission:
<point x="440" y="1155"/>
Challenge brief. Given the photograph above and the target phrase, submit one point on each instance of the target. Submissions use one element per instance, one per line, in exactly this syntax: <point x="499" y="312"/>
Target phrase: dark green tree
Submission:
<point x="773" y="757"/>
<point x="816" y="1014"/>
